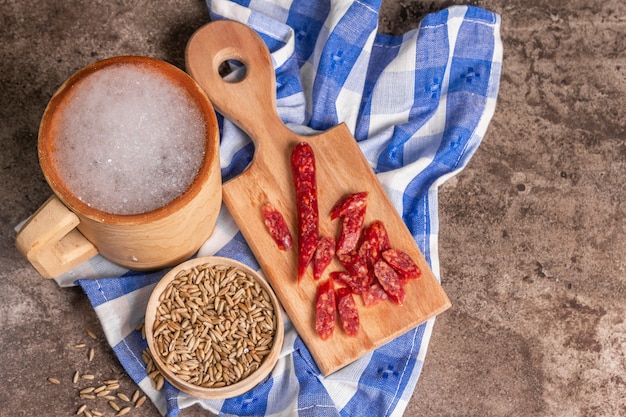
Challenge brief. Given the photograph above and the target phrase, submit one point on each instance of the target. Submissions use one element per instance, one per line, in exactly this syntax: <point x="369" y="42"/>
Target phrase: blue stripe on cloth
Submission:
<point x="287" y="84"/>
<point x="129" y="352"/>
<point x="480" y="14"/>
<point x="241" y="160"/>
<point x="313" y="399"/>
<point x="384" y="50"/>
<point x="469" y="75"/>
<point x="252" y="403"/>
<point x="100" y="291"/>
<point x="244" y="3"/>
<point x="239" y="250"/>
<point x="337" y="60"/>
<point x="171" y="397"/>
<point x="307" y="19"/>
<point x="387" y="376"/>
<point x="422" y="100"/>
<point x="272" y="41"/>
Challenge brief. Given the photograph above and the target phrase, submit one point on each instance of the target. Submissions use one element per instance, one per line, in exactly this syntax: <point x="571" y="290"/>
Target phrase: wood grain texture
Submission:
<point x="341" y="169"/>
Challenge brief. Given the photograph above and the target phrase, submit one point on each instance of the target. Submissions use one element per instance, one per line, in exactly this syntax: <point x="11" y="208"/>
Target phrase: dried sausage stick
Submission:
<point x="303" y="172"/>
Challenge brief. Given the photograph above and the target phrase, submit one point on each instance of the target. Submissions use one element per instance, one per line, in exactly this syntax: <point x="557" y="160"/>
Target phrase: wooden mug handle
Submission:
<point x="51" y="242"/>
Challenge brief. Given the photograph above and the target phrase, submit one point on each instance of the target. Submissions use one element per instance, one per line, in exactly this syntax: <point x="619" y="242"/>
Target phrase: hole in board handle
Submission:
<point x="232" y="70"/>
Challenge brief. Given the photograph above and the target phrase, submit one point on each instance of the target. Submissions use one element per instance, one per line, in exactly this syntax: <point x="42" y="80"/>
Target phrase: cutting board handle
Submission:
<point x="249" y="100"/>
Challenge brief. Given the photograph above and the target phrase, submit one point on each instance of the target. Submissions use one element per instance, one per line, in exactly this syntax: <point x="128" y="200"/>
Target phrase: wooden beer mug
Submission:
<point x="67" y="230"/>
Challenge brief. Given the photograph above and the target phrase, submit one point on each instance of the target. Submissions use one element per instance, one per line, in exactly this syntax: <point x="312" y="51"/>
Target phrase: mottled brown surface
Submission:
<point x="532" y="233"/>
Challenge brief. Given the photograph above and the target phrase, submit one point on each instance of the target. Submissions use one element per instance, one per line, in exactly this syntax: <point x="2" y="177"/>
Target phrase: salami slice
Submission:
<point x="353" y="263"/>
<point x="357" y="285"/>
<point x="374" y="295"/>
<point x="350" y="233"/>
<point x="348" y="313"/>
<point x="348" y="204"/>
<point x="277" y="227"/>
<point x="323" y="256"/>
<point x="375" y="242"/>
<point x="351" y="209"/>
<point x="325" y="309"/>
<point x="341" y="278"/>
<point x="402" y="263"/>
<point x="305" y="183"/>
<point x="391" y="282"/>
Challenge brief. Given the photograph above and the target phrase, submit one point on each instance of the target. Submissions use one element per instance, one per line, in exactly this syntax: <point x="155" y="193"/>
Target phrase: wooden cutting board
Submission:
<point x="341" y="169"/>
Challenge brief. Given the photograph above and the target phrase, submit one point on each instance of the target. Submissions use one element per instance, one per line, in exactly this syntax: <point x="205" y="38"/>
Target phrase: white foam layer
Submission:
<point x="129" y="141"/>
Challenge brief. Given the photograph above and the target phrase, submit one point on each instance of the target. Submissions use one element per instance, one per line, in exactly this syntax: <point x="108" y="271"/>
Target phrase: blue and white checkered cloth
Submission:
<point x="418" y="105"/>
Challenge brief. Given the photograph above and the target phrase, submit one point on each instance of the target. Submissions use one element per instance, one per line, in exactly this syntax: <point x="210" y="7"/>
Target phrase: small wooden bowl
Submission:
<point x="239" y="313"/>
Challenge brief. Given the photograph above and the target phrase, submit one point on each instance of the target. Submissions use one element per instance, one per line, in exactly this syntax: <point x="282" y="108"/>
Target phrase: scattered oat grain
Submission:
<point x="87" y="376"/>
<point x="123" y="396"/>
<point x="54" y="380"/>
<point x="81" y="409"/>
<point x="75" y="377"/>
<point x="90" y="355"/>
<point x="99" y="389"/>
<point x="160" y="381"/>
<point x="91" y="334"/>
<point x="123" y="411"/>
<point x="135" y="396"/>
<point x="140" y="401"/>
<point x="114" y="405"/>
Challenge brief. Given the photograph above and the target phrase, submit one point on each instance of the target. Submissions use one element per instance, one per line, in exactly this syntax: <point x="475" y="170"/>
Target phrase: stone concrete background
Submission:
<point x="532" y="233"/>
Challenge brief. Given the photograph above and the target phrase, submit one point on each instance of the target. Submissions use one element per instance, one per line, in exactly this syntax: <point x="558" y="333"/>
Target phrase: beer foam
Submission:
<point x="129" y="141"/>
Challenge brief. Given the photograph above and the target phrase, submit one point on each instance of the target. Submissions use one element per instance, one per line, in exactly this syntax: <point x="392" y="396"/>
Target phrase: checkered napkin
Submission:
<point x="418" y="105"/>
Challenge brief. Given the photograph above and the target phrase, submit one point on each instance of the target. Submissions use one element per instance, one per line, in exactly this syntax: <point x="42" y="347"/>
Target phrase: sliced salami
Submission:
<point x="351" y="209"/>
<point x="390" y="281"/>
<point x="305" y="183"/>
<point x="375" y="241"/>
<point x="323" y="256"/>
<point x="353" y="263"/>
<point x="325" y="309"/>
<point x="277" y="227"/>
<point x="348" y="313"/>
<point x="348" y="204"/>
<point x="357" y="285"/>
<point x="350" y="233"/>
<point x="373" y="295"/>
<point x="402" y="263"/>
